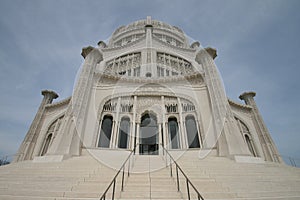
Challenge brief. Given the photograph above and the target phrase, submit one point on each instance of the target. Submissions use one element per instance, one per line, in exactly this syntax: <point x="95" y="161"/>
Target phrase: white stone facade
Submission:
<point x="148" y="86"/>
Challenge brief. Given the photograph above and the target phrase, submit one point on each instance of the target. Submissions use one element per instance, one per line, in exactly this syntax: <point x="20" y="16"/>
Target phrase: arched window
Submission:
<point x="247" y="136"/>
<point x="173" y="132"/>
<point x="105" y="132"/>
<point x="148" y="74"/>
<point x="124" y="132"/>
<point x="46" y="145"/>
<point x="51" y="133"/>
<point x="192" y="132"/>
<point x="250" y="146"/>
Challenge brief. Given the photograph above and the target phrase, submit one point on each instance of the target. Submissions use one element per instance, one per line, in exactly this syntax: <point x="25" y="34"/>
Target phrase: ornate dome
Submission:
<point x="136" y="30"/>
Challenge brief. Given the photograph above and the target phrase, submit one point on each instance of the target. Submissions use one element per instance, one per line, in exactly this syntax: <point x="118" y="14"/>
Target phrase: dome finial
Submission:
<point x="148" y="21"/>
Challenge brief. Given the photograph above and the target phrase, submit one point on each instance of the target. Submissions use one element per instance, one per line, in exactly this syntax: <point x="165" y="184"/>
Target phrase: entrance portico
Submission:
<point x="146" y="122"/>
<point x="149" y="134"/>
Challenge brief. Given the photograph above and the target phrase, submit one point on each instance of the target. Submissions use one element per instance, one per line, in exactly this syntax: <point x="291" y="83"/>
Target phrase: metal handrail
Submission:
<point x="113" y="182"/>
<point x="294" y="162"/>
<point x="4" y="159"/>
<point x="188" y="181"/>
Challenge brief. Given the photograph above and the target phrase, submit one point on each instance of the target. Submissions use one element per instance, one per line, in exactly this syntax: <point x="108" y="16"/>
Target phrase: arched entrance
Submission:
<point x="148" y="141"/>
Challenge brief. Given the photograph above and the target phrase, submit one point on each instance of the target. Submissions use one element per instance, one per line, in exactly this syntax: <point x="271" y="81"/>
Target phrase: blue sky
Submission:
<point x="257" y="41"/>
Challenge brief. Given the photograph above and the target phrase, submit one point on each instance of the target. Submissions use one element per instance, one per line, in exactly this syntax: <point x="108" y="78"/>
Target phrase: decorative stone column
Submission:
<point x="26" y="149"/>
<point x="270" y="151"/>
<point x="133" y="136"/>
<point x="181" y="127"/>
<point x="111" y="143"/>
<point x="226" y="134"/>
<point x="138" y="137"/>
<point x="164" y="120"/>
<point x="69" y="143"/>
<point x="159" y="134"/>
<point x="116" y="127"/>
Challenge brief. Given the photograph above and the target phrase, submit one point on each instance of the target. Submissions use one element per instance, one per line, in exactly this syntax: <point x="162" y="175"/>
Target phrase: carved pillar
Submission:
<point x="167" y="136"/>
<point x="138" y="137"/>
<point x="117" y="122"/>
<point x="98" y="133"/>
<point x="133" y="136"/>
<point x="164" y="120"/>
<point x="182" y="131"/>
<point x="159" y="134"/>
<point x="111" y="144"/>
<point x="26" y="149"/>
<point x="199" y="133"/>
<point x="69" y="142"/>
<point x="226" y="134"/>
<point x="269" y="149"/>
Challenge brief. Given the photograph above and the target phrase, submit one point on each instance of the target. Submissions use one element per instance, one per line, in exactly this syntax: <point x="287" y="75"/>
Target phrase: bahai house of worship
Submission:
<point x="148" y="119"/>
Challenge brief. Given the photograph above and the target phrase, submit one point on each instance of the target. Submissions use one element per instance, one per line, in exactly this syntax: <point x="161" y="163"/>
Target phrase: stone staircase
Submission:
<point x="86" y="178"/>
<point x="222" y="178"/>
<point x="76" y="178"/>
<point x="150" y="179"/>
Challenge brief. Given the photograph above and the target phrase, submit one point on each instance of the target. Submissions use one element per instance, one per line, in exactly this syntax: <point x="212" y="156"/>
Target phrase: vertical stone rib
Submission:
<point x="26" y="149"/>
<point x="270" y="151"/>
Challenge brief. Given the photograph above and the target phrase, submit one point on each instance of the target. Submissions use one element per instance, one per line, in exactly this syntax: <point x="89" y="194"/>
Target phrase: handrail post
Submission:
<point x="178" y="189"/>
<point x="166" y="159"/>
<point x="188" y="189"/>
<point x="128" y="167"/>
<point x="114" y="186"/>
<point x="293" y="162"/>
<point x="123" y="169"/>
<point x="122" y="188"/>
<point x="171" y="168"/>
<point x="134" y="149"/>
<point x="187" y="179"/>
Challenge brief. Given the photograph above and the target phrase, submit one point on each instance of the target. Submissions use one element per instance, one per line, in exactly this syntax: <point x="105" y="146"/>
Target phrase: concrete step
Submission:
<point x="86" y="178"/>
<point x="24" y="192"/>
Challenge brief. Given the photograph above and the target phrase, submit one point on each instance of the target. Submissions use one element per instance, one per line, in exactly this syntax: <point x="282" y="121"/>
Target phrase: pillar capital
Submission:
<point x="247" y="95"/>
<point x="248" y="98"/>
<point x="102" y="44"/>
<point x="49" y="93"/>
<point x="211" y="51"/>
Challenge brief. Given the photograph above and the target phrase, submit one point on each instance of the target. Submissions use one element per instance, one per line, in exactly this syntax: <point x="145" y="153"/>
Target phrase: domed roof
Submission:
<point x="142" y="23"/>
<point x="139" y="27"/>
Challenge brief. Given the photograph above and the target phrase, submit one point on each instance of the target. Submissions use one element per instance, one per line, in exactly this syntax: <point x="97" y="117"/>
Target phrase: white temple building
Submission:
<point x="146" y="95"/>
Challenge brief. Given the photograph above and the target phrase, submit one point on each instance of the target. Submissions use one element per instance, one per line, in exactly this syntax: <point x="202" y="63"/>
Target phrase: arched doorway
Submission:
<point x="105" y="132"/>
<point x="192" y="132"/>
<point x="148" y="142"/>
<point x="173" y="133"/>
<point x="124" y="132"/>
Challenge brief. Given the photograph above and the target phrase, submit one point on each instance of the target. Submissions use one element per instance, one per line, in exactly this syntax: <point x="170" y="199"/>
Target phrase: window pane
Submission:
<point x="105" y="133"/>
<point x="173" y="133"/>
<point x="46" y="146"/>
<point x="250" y="147"/>
<point x="192" y="133"/>
<point x="124" y="131"/>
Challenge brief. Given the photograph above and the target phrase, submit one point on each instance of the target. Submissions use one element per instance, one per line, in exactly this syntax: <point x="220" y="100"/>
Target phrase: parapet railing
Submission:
<point x="294" y="162"/>
<point x="178" y="168"/>
<point x="122" y="169"/>
<point x="6" y="159"/>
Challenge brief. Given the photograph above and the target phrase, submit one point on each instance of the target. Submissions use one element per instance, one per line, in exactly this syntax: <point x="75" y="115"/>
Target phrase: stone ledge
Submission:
<point x="50" y="158"/>
<point x="248" y="159"/>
